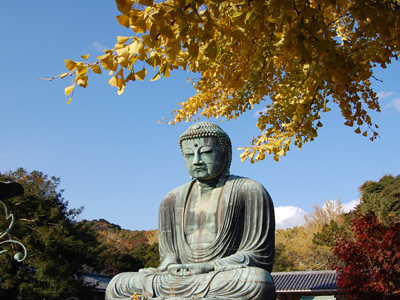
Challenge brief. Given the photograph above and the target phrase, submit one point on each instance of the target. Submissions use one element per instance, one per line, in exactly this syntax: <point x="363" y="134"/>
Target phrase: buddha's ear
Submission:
<point x="228" y="158"/>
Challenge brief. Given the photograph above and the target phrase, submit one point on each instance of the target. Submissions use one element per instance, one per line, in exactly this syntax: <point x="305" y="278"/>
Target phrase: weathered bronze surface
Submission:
<point x="216" y="233"/>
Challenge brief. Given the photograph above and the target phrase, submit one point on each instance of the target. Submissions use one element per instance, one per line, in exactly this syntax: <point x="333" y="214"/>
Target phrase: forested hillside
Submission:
<point x="121" y="250"/>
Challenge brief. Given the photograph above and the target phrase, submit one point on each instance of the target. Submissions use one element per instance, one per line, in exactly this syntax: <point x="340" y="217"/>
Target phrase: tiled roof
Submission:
<point x="305" y="281"/>
<point x="324" y="297"/>
<point x="99" y="281"/>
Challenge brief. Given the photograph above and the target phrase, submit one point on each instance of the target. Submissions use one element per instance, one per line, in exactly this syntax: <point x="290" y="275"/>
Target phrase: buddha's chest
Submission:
<point x="201" y="217"/>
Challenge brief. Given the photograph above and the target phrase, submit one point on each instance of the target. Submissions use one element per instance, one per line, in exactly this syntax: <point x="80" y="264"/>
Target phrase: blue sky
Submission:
<point x="111" y="154"/>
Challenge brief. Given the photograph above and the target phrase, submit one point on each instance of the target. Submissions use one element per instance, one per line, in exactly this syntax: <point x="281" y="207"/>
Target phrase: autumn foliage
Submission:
<point x="369" y="260"/>
<point x="370" y="266"/>
<point x="298" y="55"/>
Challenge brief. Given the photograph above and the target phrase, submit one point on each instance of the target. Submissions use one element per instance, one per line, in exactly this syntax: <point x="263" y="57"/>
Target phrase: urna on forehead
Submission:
<point x="207" y="129"/>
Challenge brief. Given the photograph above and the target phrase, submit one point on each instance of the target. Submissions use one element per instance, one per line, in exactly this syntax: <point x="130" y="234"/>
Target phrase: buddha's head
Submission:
<point x="207" y="150"/>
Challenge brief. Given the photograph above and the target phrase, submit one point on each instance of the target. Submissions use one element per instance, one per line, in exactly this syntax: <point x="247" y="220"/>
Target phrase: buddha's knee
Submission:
<point x="259" y="275"/>
<point x="124" y="285"/>
<point x="264" y="282"/>
<point x="244" y="283"/>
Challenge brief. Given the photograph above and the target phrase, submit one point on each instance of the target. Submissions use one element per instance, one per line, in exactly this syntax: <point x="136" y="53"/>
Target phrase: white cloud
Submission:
<point x="383" y="94"/>
<point x="349" y="206"/>
<point x="334" y="202"/>
<point x="396" y="103"/>
<point x="288" y="216"/>
<point x="257" y="113"/>
<point x="97" y="46"/>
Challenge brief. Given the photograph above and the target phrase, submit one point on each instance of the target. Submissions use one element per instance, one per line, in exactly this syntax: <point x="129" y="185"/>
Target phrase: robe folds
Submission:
<point x="242" y="253"/>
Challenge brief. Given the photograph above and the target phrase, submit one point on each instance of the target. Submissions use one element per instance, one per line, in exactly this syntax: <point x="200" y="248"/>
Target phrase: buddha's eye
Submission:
<point x="188" y="153"/>
<point x="206" y="150"/>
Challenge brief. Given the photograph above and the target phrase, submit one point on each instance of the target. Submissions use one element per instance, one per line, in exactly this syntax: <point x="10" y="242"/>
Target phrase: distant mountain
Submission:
<point x="121" y="250"/>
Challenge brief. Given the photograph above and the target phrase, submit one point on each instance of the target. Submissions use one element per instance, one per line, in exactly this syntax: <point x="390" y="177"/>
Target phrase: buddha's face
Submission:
<point x="203" y="157"/>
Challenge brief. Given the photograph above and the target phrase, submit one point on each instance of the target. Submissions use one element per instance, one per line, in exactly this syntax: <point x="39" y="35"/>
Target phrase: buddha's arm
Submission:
<point x="257" y="241"/>
<point x="167" y="261"/>
<point x="167" y="225"/>
<point x="235" y="261"/>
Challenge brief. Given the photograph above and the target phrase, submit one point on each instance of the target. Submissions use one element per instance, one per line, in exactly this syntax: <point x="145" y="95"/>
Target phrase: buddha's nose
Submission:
<point x="197" y="159"/>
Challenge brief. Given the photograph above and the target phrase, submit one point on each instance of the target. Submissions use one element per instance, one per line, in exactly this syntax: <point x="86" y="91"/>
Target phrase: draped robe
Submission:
<point x="242" y="253"/>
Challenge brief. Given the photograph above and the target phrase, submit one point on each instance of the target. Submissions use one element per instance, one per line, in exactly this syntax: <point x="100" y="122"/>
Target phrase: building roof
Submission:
<point x="99" y="281"/>
<point x="305" y="281"/>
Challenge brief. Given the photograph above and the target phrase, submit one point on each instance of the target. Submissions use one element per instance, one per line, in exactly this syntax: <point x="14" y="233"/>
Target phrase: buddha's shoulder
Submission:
<point x="177" y="192"/>
<point x="245" y="182"/>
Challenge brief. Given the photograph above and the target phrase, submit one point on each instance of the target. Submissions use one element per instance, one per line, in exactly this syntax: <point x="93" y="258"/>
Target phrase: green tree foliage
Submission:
<point x="382" y="198"/>
<point x="139" y="252"/>
<point x="329" y="232"/>
<point x="152" y="258"/>
<point x="299" y="54"/>
<point x="283" y="262"/>
<point x="57" y="245"/>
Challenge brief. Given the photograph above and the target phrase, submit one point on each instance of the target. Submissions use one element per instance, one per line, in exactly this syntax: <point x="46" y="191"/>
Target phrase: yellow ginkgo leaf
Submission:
<point x="113" y="81"/>
<point x="63" y="75"/>
<point x="237" y="34"/>
<point x="158" y="76"/>
<point x="131" y="76"/>
<point x="122" y="39"/>
<point x="96" y="69"/>
<point x="85" y="56"/>
<point x="69" y="89"/>
<point x="166" y="72"/>
<point x="70" y="64"/>
<point x="133" y="48"/>
<point x="282" y="152"/>
<point x="141" y="74"/>
<point x="121" y="90"/>
<point x="69" y="101"/>
<point x="211" y="50"/>
<point x="166" y="31"/>
<point x="82" y="81"/>
<point x="82" y="70"/>
<point x="123" y="20"/>
<point x="251" y="16"/>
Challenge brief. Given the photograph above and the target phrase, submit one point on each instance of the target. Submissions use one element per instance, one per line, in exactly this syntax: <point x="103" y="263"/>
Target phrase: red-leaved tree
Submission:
<point x="369" y="266"/>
